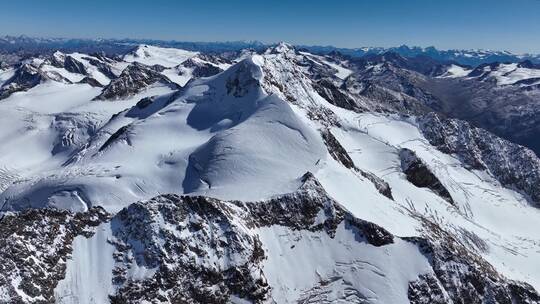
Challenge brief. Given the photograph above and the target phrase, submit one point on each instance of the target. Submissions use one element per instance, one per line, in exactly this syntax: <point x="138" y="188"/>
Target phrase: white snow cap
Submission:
<point x="152" y="55"/>
<point x="281" y="47"/>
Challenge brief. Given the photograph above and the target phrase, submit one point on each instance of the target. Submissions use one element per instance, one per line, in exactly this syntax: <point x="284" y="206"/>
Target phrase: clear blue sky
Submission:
<point x="504" y="25"/>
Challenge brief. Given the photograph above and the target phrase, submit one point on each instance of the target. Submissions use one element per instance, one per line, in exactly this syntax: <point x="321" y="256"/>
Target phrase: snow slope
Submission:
<point x="455" y="71"/>
<point x="151" y="55"/>
<point x="524" y="74"/>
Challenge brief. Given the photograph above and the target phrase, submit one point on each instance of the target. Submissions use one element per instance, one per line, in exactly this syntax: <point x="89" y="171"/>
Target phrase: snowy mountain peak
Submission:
<point x="58" y="58"/>
<point x="281" y="48"/>
<point x="153" y="55"/>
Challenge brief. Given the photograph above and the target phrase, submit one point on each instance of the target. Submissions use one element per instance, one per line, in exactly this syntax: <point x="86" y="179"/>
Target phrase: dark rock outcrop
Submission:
<point x="35" y="245"/>
<point x="133" y="79"/>
<point x="91" y="81"/>
<point x="177" y="230"/>
<point x="330" y="92"/>
<point x="205" y="250"/>
<point x="26" y="76"/>
<point x="102" y="66"/>
<point x="513" y="165"/>
<point x="339" y="153"/>
<point x="74" y="66"/>
<point x="201" y="68"/>
<point x="420" y="175"/>
<point x="460" y="275"/>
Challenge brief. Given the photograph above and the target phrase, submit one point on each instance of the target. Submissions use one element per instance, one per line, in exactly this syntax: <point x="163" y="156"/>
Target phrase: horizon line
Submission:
<point x="265" y="43"/>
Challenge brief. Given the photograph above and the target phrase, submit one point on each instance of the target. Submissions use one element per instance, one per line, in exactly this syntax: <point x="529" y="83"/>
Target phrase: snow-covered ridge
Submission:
<point x="151" y="55"/>
<point x="174" y="66"/>
<point x="208" y="250"/>
<point x="523" y="74"/>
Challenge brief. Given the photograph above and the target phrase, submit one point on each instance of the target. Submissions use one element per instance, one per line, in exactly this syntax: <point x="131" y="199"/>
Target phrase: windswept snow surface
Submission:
<point x="6" y="74"/>
<point x="499" y="216"/>
<point x="89" y="271"/>
<point x="508" y="74"/>
<point x="306" y="266"/>
<point x="203" y="141"/>
<point x="41" y="128"/>
<point x="456" y="71"/>
<point x="341" y="71"/>
<point x="166" y="57"/>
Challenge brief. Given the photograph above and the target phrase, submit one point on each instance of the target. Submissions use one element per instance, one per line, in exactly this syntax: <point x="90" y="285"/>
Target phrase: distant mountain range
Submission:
<point x="28" y="45"/>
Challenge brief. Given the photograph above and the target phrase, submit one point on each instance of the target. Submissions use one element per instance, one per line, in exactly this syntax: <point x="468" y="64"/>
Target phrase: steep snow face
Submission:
<point x="152" y="55"/>
<point x="304" y="266"/>
<point x="481" y="202"/>
<point x="99" y="67"/>
<point x="196" y="67"/>
<point x="89" y="271"/>
<point x="6" y="74"/>
<point x="341" y="71"/>
<point x="455" y="71"/>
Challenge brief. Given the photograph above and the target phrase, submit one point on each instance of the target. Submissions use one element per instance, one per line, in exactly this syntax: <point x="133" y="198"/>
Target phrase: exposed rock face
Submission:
<point x="339" y="153"/>
<point x="145" y="102"/>
<point x="513" y="165"/>
<point x="420" y="175"/>
<point x="103" y="65"/>
<point x="120" y="134"/>
<point x="201" y="68"/>
<point x="205" y="250"/>
<point x="35" y="245"/>
<point x="57" y="59"/>
<point x="74" y="66"/>
<point x="26" y="76"/>
<point x="299" y="211"/>
<point x="202" y="250"/>
<point x="219" y="231"/>
<point x="336" y="149"/>
<point x="182" y="236"/>
<point x="133" y="79"/>
<point x="70" y="64"/>
<point x="284" y="74"/>
<point x="91" y="81"/>
<point x="330" y="92"/>
<point x="461" y="275"/>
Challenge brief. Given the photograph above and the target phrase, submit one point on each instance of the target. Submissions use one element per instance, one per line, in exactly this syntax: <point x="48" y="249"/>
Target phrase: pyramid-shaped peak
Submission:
<point x="281" y="48"/>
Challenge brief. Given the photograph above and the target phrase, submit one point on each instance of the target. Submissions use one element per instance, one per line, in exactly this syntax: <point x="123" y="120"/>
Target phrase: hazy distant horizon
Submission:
<point x="460" y="24"/>
<point x="265" y="43"/>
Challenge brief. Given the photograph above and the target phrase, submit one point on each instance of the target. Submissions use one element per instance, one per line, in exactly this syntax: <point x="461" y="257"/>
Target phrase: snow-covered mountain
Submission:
<point x="472" y="57"/>
<point x="282" y="176"/>
<point x="523" y="74"/>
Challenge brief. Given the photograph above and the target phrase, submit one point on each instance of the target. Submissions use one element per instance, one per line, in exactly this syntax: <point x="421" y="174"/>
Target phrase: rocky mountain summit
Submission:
<point x="202" y="250"/>
<point x="133" y="79"/>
